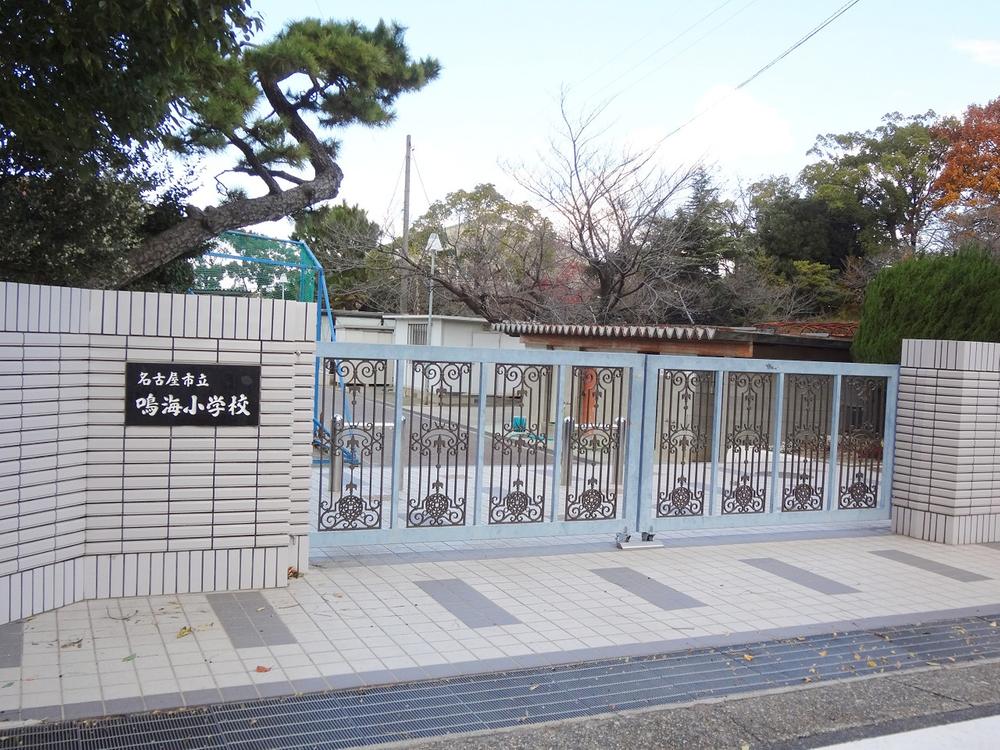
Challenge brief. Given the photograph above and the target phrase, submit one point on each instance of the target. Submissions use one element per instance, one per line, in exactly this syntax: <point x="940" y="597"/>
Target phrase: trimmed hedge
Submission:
<point x="932" y="297"/>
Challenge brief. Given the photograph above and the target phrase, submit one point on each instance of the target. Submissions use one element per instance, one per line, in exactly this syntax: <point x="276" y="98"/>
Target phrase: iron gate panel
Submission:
<point x="748" y="438"/>
<point x="683" y="441"/>
<point x="437" y="443"/>
<point x="522" y="403"/>
<point x="862" y="422"/>
<point x="358" y="483"/>
<point x="594" y="448"/>
<point x="805" y="446"/>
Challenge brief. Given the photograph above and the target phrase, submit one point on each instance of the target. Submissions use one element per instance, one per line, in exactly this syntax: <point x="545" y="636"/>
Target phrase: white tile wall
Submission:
<point x="91" y="508"/>
<point x="946" y="482"/>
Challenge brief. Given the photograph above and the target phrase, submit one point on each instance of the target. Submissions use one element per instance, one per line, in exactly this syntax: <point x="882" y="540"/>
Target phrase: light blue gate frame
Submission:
<point x="636" y="511"/>
<point x="646" y="520"/>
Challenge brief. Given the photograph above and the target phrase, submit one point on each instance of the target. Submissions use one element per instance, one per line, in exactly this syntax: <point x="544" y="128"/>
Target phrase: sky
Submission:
<point x="655" y="65"/>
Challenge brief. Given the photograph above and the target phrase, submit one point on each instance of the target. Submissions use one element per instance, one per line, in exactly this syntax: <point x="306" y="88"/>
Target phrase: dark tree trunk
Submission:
<point x="201" y="226"/>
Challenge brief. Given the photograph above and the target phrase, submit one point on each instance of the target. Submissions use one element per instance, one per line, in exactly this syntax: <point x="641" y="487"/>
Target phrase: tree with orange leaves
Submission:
<point x="971" y="174"/>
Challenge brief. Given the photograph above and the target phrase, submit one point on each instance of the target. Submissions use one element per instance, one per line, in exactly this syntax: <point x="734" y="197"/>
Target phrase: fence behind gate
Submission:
<point x="435" y="443"/>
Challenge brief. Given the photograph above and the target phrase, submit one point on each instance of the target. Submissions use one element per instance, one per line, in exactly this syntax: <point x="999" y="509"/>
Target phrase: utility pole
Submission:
<point x="404" y="295"/>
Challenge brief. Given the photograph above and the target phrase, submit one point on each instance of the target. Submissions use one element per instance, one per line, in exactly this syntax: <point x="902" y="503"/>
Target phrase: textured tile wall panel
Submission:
<point x="96" y="508"/>
<point x="947" y="472"/>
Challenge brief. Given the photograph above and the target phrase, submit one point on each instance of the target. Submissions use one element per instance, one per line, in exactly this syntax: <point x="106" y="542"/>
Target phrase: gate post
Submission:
<point x="946" y="484"/>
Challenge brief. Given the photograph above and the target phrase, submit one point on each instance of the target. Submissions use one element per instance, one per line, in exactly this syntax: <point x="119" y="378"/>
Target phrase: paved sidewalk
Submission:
<point x="745" y="685"/>
<point x="370" y="617"/>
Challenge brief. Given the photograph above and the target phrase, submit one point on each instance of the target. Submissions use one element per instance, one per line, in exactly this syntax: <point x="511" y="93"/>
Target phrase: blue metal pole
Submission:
<point x="638" y="424"/>
<point x="480" y="444"/>
<point x="776" y="444"/>
<point x="713" y="507"/>
<point x="831" y="481"/>
<point x="557" y="445"/>
<point x="889" y="440"/>
<point x="397" y="441"/>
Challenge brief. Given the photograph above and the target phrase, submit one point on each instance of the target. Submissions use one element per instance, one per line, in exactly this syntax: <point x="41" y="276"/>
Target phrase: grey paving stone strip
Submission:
<point x="644" y="587"/>
<point x="11" y="644"/>
<point x="249" y="621"/>
<point x="467" y="604"/>
<point x="931" y="566"/>
<point x="801" y="576"/>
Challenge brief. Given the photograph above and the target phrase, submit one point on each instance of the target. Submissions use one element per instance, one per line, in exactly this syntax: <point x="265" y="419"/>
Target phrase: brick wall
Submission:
<point x="91" y="508"/>
<point x="946" y="484"/>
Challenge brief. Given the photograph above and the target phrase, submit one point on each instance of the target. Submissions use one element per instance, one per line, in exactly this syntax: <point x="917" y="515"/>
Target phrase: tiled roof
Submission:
<point x="690" y="333"/>
<point x="837" y="329"/>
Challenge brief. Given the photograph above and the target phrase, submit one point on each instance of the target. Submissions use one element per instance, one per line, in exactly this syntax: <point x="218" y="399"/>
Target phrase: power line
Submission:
<point x="655" y="52"/>
<point x="836" y="14"/>
<point x="420" y="179"/>
<point x="760" y="71"/>
<point x="392" y="199"/>
<point x="679" y="52"/>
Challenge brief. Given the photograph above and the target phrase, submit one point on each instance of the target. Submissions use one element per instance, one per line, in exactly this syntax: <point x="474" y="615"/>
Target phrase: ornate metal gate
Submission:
<point x="432" y="443"/>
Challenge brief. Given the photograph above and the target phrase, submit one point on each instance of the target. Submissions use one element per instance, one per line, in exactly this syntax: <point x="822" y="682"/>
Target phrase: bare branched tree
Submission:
<point x="608" y="206"/>
<point x="750" y="294"/>
<point x="499" y="260"/>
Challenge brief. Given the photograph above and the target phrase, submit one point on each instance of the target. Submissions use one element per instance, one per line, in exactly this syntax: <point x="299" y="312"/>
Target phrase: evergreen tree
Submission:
<point x="955" y="297"/>
<point x="346" y="242"/>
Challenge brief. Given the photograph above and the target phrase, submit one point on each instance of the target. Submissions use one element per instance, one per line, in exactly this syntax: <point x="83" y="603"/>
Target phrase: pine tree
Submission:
<point x="273" y="103"/>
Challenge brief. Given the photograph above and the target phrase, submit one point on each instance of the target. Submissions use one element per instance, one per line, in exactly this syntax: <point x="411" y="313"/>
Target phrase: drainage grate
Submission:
<point x="407" y="711"/>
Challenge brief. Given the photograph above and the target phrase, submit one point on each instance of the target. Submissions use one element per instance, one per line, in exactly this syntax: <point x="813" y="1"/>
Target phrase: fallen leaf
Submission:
<point x="293" y="572"/>
<point x="823" y="652"/>
<point x="993" y="624"/>
<point x="744" y="746"/>
<point x="857" y="657"/>
<point x="78" y="643"/>
<point x="261" y="668"/>
<point x="872" y="663"/>
<point x="8" y="684"/>
<point x="747" y="657"/>
<point x="130" y="657"/>
<point x="186" y="630"/>
<point x="534" y="687"/>
<point x="261" y="609"/>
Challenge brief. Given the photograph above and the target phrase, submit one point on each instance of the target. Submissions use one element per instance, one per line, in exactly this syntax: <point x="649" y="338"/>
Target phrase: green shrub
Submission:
<point x="932" y="297"/>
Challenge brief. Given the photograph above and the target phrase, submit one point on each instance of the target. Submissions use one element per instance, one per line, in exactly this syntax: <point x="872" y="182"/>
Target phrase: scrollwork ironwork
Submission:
<point x="680" y="501"/>
<point x="859" y="493"/>
<point x="356" y="445"/>
<point x="860" y="445"/>
<point x="521" y="408"/>
<point x="594" y="447"/>
<point x="747" y="443"/>
<point x="591" y="504"/>
<point x="438" y="444"/>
